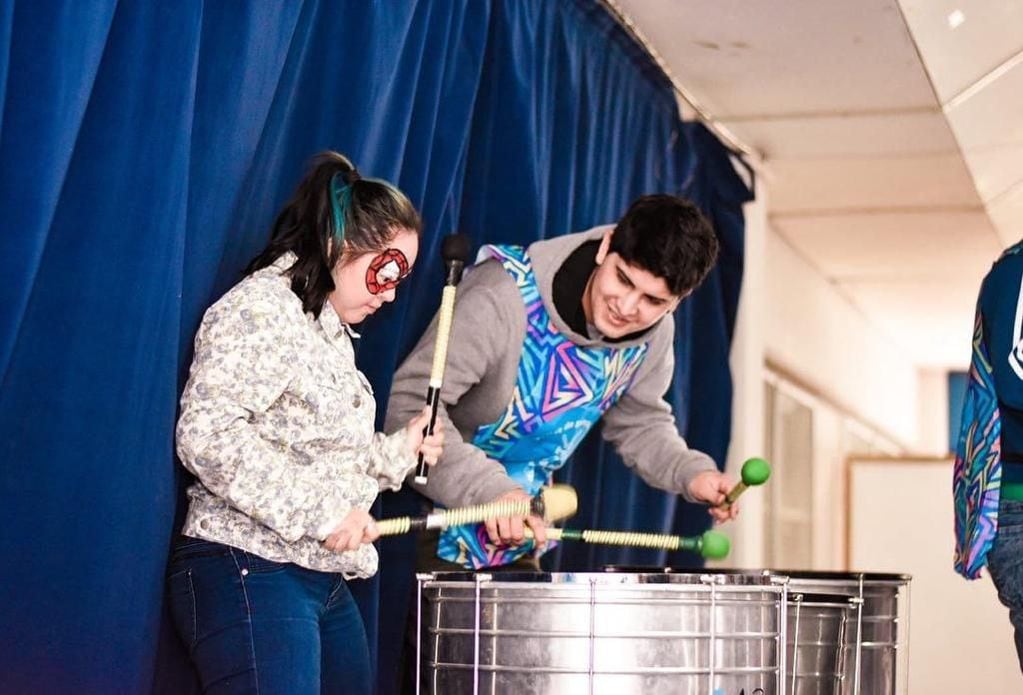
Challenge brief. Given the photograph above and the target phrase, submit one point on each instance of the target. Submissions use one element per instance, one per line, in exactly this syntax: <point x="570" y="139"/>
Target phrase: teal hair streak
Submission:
<point x="341" y="202"/>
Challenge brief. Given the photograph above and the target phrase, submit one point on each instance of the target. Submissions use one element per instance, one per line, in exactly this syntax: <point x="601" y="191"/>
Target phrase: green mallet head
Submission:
<point x="755" y="471"/>
<point x="714" y="545"/>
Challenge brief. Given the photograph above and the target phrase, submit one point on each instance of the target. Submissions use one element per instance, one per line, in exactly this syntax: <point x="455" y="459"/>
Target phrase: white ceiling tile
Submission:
<point x="930" y="180"/>
<point x="918" y="246"/>
<point x="754" y="58"/>
<point x="848" y="136"/>
<point x="995" y="170"/>
<point x="989" y="128"/>
<point x="960" y="49"/>
<point x="1006" y="214"/>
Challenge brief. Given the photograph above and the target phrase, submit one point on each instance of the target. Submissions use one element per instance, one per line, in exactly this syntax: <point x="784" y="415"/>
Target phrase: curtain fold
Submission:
<point x="49" y="69"/>
<point x="144" y="149"/>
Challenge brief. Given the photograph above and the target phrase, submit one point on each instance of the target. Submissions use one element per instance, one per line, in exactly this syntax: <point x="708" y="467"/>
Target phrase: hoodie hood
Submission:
<point x="548" y="255"/>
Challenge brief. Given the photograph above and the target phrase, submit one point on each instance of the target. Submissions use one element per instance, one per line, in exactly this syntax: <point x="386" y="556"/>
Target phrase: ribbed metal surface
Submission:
<point x="603" y="633"/>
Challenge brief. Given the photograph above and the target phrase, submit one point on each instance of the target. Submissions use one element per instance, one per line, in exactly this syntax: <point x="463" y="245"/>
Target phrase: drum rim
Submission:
<point x="836" y="575"/>
<point x="754" y="582"/>
<point x="794" y="574"/>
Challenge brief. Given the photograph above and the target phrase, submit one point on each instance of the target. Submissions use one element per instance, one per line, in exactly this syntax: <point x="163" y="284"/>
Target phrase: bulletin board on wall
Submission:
<point x="900" y="520"/>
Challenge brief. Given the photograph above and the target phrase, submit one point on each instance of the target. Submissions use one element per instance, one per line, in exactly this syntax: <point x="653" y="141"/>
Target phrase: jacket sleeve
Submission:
<point x="390" y="462"/>
<point x="642" y="427"/>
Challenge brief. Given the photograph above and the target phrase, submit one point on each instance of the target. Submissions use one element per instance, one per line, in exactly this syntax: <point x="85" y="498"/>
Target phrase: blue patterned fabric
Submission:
<point x="561" y="390"/>
<point x="977" y="474"/>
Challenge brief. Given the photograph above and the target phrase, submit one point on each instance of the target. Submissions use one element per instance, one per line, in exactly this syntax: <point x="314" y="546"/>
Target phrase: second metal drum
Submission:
<point x="876" y="654"/>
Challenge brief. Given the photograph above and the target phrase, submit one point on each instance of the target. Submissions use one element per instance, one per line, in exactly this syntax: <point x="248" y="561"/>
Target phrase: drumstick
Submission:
<point x="455" y="252"/>
<point x="755" y="471"/>
<point x="552" y="504"/>
<point x="712" y="544"/>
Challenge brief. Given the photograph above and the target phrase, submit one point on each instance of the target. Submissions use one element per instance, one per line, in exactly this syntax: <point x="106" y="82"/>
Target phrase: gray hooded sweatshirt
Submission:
<point x="487" y="333"/>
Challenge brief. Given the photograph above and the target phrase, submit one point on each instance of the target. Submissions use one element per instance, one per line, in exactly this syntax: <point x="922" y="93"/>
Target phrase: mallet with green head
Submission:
<point x="755" y="471"/>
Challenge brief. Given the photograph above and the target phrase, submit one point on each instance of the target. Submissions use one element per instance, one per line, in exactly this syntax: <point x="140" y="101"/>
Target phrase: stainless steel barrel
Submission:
<point x="620" y="633"/>
<point x="876" y="653"/>
<point x="818" y="627"/>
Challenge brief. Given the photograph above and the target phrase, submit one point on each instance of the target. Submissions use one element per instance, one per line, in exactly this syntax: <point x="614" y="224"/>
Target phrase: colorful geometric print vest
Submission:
<point x="561" y="390"/>
<point x="977" y="473"/>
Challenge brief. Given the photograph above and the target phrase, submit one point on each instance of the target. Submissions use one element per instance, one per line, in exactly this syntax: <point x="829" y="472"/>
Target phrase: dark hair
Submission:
<point x="373" y="211"/>
<point x="669" y="237"/>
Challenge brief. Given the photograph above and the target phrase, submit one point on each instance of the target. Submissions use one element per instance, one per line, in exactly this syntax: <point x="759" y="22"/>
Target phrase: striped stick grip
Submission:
<point x="626" y="538"/>
<point x="440" y="349"/>
<point x="455" y="517"/>
<point x="711" y="544"/>
<point x="440" y="356"/>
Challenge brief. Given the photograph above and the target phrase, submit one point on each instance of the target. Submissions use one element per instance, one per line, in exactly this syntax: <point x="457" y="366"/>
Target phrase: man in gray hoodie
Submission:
<point x="545" y="342"/>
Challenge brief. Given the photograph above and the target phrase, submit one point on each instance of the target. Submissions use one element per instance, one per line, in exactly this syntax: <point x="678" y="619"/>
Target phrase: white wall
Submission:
<point x="747" y="364"/>
<point x="817" y="334"/>
<point x="933" y="408"/>
<point x="790" y="314"/>
<point x="829" y="483"/>
<point x="960" y="639"/>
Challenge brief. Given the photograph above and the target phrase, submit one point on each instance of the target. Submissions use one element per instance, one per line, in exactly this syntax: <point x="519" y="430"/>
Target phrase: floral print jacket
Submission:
<point x="277" y="425"/>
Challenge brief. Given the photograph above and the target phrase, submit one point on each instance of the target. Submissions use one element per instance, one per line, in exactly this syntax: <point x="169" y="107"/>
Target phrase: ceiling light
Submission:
<point x="955" y="18"/>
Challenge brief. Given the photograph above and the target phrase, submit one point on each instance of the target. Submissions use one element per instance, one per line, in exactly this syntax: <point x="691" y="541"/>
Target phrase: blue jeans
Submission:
<point x="1005" y="562"/>
<point x="256" y="626"/>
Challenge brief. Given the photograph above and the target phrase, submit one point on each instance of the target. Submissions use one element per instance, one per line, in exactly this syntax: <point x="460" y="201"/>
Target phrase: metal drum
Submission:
<point x="818" y="628"/>
<point x="620" y="633"/>
<point x="876" y="653"/>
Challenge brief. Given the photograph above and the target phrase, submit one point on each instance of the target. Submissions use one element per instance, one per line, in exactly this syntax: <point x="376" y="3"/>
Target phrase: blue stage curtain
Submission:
<point x="144" y="149"/>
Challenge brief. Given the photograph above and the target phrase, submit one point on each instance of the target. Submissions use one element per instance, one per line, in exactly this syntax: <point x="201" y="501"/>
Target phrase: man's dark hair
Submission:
<point x="307" y="226"/>
<point x="669" y="237"/>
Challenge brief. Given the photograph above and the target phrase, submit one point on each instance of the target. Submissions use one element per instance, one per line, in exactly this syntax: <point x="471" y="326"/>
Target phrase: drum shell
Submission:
<point x="620" y="633"/>
<point x="817" y="628"/>
<point x="882" y="639"/>
<point x="878" y="643"/>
